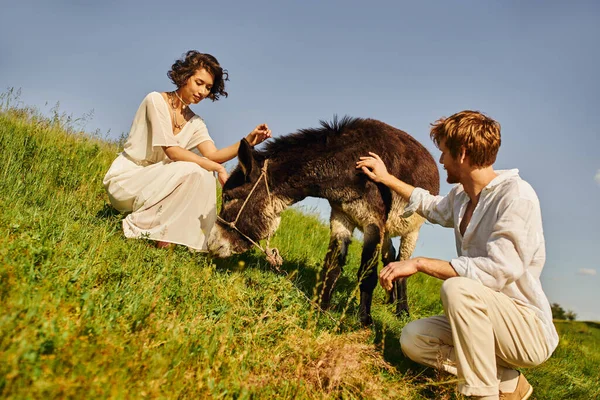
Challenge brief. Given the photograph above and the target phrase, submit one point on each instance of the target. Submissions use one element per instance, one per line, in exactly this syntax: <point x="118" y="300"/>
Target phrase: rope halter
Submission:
<point x="272" y="254"/>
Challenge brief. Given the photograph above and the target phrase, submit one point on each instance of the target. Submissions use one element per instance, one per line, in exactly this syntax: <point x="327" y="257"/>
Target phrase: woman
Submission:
<point x="167" y="188"/>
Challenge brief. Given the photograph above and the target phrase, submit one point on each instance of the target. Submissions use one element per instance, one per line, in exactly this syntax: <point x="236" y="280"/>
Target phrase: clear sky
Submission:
<point x="533" y="66"/>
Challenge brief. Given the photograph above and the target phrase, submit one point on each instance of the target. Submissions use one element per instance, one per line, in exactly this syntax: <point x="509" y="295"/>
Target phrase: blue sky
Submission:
<point x="530" y="65"/>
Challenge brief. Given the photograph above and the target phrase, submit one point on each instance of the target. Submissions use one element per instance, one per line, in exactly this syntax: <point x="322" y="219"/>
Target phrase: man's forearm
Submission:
<point x="398" y="186"/>
<point x="437" y="268"/>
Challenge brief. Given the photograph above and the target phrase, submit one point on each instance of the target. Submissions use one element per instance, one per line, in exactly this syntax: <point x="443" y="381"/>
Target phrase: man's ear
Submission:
<point x="462" y="156"/>
<point x="246" y="159"/>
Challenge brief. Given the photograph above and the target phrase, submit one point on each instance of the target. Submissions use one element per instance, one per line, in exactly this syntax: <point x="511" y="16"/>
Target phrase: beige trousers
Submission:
<point x="481" y="339"/>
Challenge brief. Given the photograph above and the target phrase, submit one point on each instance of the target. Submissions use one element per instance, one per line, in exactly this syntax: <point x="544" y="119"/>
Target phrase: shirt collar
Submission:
<point x="503" y="176"/>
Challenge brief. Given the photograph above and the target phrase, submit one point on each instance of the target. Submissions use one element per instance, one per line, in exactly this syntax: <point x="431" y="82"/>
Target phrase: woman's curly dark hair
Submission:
<point x="193" y="60"/>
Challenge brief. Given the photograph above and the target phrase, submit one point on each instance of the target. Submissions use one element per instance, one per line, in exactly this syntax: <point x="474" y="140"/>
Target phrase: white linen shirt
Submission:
<point x="503" y="246"/>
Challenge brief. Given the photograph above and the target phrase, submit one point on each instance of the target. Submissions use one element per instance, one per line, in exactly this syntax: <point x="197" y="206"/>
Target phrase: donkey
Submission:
<point x="320" y="162"/>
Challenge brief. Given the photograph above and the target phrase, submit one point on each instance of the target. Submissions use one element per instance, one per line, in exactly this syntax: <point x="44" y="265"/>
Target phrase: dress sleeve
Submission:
<point x="436" y="209"/>
<point x="159" y="122"/>
<point x="200" y="134"/>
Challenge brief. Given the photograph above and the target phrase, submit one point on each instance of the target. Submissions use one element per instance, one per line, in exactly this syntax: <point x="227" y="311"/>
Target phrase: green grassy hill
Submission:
<point x="85" y="313"/>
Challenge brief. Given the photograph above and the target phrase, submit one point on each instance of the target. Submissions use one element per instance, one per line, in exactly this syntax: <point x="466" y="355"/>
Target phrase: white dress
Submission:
<point x="170" y="201"/>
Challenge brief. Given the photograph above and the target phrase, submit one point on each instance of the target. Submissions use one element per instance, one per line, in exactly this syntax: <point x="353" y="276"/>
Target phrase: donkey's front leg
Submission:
<point x="388" y="255"/>
<point x="367" y="273"/>
<point x="407" y="246"/>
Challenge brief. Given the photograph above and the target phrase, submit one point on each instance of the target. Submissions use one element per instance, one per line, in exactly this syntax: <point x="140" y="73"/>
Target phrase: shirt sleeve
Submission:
<point x="159" y="122"/>
<point x="436" y="209"/>
<point x="510" y="247"/>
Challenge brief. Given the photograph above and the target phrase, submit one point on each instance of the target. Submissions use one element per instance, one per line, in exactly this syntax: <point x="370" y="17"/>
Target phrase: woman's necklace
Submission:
<point x="181" y="100"/>
<point x="175" y="124"/>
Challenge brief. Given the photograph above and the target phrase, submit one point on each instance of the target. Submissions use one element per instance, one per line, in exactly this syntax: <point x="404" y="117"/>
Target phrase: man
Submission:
<point x="497" y="317"/>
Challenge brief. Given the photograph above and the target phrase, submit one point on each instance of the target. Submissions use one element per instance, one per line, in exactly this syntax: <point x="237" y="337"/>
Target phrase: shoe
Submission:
<point x="522" y="392"/>
<point x="165" y="245"/>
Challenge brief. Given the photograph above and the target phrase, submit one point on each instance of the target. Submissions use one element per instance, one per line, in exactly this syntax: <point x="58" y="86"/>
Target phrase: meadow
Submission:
<point x="85" y="313"/>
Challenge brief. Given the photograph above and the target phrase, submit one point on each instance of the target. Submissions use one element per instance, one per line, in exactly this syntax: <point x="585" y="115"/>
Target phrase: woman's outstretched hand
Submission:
<point x="258" y="135"/>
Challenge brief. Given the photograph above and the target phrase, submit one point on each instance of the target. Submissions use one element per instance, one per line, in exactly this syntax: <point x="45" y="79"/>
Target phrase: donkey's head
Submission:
<point x="247" y="210"/>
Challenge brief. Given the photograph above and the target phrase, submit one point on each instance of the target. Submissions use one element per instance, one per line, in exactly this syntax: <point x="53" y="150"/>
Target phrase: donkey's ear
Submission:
<point x="246" y="159"/>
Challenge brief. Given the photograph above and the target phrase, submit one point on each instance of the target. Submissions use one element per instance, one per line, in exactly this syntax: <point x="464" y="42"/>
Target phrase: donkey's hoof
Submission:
<point x="402" y="311"/>
<point x="325" y="304"/>
<point x="366" y="320"/>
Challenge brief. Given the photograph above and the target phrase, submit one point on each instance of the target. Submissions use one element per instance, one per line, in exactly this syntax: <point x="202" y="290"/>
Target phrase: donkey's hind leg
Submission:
<point x="407" y="246"/>
<point x="335" y="259"/>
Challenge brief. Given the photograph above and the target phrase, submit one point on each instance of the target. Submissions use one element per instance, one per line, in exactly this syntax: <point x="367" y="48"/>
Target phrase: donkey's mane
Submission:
<point x="312" y="136"/>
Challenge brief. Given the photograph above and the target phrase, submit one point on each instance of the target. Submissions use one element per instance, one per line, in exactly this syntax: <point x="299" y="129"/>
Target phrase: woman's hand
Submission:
<point x="258" y="135"/>
<point x="223" y="176"/>
<point x="373" y="167"/>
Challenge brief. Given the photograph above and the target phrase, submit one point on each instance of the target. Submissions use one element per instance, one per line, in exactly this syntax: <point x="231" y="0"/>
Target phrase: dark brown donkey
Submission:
<point x="321" y="163"/>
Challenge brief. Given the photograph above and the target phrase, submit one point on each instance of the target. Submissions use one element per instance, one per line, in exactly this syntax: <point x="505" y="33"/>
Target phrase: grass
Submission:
<point x="85" y="313"/>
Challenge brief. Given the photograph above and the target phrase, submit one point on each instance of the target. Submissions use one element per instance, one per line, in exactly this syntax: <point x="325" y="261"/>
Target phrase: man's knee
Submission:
<point x="456" y="290"/>
<point x="409" y="339"/>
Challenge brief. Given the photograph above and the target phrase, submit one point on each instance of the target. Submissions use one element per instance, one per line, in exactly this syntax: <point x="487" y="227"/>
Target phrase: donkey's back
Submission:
<point x="358" y="202"/>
